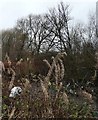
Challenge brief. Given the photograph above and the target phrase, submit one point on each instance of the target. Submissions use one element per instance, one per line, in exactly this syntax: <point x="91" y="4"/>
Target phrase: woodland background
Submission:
<point x="39" y="37"/>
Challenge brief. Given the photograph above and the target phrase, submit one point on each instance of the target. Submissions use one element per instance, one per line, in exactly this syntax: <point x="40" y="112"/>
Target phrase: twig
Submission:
<point x="12" y="79"/>
<point x="12" y="113"/>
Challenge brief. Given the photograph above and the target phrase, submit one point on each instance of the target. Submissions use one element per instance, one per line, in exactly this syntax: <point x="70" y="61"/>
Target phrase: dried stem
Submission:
<point x="12" y="113"/>
<point x="12" y="79"/>
<point x="47" y="63"/>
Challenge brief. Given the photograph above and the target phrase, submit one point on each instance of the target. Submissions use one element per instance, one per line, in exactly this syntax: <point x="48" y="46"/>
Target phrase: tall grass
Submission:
<point x="45" y="97"/>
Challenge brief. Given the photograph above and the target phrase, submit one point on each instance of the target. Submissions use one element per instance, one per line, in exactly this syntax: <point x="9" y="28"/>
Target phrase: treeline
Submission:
<point x="38" y="35"/>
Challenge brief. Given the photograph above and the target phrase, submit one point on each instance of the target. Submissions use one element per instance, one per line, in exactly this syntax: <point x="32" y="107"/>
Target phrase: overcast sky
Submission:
<point x="11" y="10"/>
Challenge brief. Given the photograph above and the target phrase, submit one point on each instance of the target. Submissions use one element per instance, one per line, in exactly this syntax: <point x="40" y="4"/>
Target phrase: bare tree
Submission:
<point x="59" y="19"/>
<point x="39" y="31"/>
<point x="91" y="28"/>
<point x="13" y="43"/>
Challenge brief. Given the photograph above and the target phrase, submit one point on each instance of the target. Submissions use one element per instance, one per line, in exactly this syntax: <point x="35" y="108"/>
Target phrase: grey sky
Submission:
<point x="11" y="10"/>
